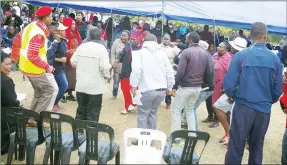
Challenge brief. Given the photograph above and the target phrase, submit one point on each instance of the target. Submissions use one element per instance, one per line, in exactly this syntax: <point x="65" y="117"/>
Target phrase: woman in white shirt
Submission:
<point x="171" y="51"/>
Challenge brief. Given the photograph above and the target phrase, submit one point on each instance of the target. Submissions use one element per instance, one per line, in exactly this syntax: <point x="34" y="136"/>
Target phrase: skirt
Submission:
<point x="71" y="77"/>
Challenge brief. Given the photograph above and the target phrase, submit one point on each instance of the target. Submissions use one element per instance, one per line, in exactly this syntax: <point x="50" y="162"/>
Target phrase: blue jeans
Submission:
<point x="116" y="84"/>
<point x="284" y="148"/>
<point x="168" y="100"/>
<point x="62" y="84"/>
<point x="201" y="98"/>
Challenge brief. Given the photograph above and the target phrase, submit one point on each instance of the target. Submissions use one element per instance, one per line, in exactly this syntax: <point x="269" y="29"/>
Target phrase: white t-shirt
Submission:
<point x="18" y="10"/>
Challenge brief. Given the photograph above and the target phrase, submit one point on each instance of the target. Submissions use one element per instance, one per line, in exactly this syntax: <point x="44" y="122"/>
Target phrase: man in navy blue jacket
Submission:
<point x="254" y="82"/>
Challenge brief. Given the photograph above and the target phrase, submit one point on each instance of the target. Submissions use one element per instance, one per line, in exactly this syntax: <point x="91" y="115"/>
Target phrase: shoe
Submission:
<point x="208" y="120"/>
<point x="167" y="107"/>
<point x="124" y="112"/>
<point x="64" y="100"/>
<point x="71" y="97"/>
<point x="131" y="108"/>
<point x="224" y="140"/>
<point x="214" y="124"/>
<point x="135" y="142"/>
<point x="114" y="98"/>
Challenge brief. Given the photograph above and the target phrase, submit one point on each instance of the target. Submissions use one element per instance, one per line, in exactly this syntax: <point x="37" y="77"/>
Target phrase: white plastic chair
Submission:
<point x="143" y="153"/>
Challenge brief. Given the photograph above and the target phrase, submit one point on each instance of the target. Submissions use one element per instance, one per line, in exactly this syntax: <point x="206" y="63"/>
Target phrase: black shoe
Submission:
<point x="135" y="142"/>
<point x="71" y="97"/>
<point x="63" y="99"/>
<point x="208" y="120"/>
<point x="214" y="124"/>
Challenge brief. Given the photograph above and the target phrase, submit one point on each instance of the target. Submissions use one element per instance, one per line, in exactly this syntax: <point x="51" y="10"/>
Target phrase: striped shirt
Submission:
<point x="33" y="48"/>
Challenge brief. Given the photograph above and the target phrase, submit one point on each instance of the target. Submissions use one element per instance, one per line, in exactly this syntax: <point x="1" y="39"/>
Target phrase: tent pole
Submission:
<point x="214" y="32"/>
<point x="162" y="17"/>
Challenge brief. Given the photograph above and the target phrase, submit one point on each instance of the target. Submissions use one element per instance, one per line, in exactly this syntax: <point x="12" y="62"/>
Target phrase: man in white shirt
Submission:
<point x="91" y="61"/>
<point x="154" y="78"/>
<point x="171" y="52"/>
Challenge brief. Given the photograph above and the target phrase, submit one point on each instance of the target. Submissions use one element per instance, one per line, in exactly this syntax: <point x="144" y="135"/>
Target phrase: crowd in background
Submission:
<point x="158" y="62"/>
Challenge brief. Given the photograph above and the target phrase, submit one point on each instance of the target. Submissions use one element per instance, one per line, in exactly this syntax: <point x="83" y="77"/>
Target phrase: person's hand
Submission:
<point x="71" y="51"/>
<point x="51" y="69"/>
<point x="57" y="37"/>
<point x="115" y="63"/>
<point x="230" y="100"/>
<point x="173" y="93"/>
<point x="168" y="92"/>
<point x="133" y="90"/>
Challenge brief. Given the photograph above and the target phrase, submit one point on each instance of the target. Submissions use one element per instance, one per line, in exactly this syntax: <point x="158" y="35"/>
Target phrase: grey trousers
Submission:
<point x="147" y="113"/>
<point x="43" y="93"/>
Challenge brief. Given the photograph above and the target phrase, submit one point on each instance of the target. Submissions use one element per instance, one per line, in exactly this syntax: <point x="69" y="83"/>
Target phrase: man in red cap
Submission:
<point x="30" y="47"/>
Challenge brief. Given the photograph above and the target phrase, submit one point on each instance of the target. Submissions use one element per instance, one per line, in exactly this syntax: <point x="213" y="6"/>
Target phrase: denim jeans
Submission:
<point x="168" y="100"/>
<point x="201" y="98"/>
<point x="62" y="84"/>
<point x="284" y="148"/>
<point x="184" y="98"/>
<point x="116" y="84"/>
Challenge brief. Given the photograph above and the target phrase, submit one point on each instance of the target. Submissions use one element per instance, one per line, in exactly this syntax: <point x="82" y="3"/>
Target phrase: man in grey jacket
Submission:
<point x="193" y="68"/>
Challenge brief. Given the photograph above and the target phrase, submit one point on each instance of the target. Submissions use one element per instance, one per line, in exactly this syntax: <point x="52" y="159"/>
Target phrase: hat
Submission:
<point x="135" y="36"/>
<point x="238" y="43"/>
<point x="43" y="11"/>
<point x="62" y="27"/>
<point x="203" y="44"/>
<point x="15" y="3"/>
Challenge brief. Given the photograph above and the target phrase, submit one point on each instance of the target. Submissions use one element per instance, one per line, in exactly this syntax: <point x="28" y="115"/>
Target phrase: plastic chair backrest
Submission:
<point x="20" y="117"/>
<point x="143" y="152"/>
<point x="191" y="138"/>
<point x="56" y="120"/>
<point x="92" y="131"/>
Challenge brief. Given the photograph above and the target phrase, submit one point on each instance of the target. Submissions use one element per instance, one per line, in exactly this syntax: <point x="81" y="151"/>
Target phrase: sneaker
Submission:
<point x="71" y="97"/>
<point x="224" y="140"/>
<point x="63" y="99"/>
<point x="214" y="124"/>
<point x="131" y="108"/>
<point x="124" y="112"/>
<point x="167" y="107"/>
<point x="208" y="120"/>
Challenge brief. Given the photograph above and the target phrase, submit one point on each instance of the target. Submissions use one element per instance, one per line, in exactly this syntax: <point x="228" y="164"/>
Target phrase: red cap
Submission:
<point x="136" y="36"/>
<point x="43" y="11"/>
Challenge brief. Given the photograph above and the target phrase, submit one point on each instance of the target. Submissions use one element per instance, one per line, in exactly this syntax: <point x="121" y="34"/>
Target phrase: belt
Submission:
<point x="161" y="89"/>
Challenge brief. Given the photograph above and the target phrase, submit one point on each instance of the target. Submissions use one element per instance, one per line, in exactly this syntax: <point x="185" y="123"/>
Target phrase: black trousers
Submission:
<point x="89" y="106"/>
<point x="246" y="122"/>
<point x="211" y="113"/>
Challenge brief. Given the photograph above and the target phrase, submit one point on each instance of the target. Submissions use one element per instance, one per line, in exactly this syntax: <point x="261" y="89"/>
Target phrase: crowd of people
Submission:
<point x="188" y="65"/>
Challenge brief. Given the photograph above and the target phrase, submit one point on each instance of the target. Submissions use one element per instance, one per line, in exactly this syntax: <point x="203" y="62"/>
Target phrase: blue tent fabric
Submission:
<point x="232" y="14"/>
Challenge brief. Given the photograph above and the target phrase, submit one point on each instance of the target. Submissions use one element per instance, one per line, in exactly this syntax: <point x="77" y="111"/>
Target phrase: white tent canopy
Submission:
<point x="233" y="14"/>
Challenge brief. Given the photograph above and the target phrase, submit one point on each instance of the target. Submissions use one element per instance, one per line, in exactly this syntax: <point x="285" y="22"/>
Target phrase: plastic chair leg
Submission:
<point x="118" y="158"/>
<point x="87" y="161"/>
<point x="47" y="154"/>
<point x="66" y="155"/>
<point x="30" y="151"/>
<point x="10" y="152"/>
<point x="57" y="157"/>
<point x="21" y="152"/>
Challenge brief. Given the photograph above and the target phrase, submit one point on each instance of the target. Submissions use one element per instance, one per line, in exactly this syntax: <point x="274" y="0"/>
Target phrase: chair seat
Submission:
<point x="68" y="139"/>
<point x="31" y="133"/>
<point x="103" y="149"/>
<point x="175" y="156"/>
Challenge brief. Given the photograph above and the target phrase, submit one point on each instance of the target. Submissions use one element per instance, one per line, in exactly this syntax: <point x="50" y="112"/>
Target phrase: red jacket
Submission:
<point x="283" y="99"/>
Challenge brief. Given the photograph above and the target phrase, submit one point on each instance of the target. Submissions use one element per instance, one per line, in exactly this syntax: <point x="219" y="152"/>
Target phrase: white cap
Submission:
<point x="15" y="3"/>
<point x="238" y="43"/>
<point x="203" y="44"/>
<point x="62" y="27"/>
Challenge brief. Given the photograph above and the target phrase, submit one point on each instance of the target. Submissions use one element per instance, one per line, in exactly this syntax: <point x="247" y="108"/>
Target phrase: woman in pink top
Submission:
<point x="221" y="60"/>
